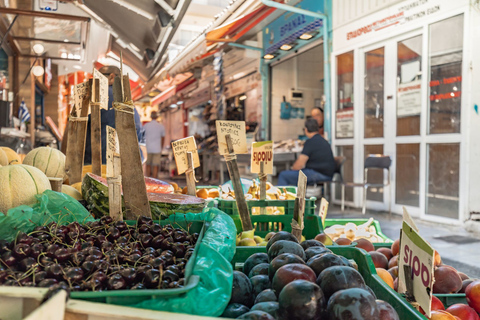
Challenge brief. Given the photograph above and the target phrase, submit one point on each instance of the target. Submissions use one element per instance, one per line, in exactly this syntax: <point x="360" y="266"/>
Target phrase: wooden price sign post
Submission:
<point x="114" y="178"/>
<point x="232" y="139"/>
<point x="56" y="183"/>
<point x="99" y="101"/>
<point x="299" y="207"/>
<point x="186" y="158"/>
<point x="133" y="182"/>
<point x="77" y="133"/>
<point x="262" y="163"/>
<point x="415" y="268"/>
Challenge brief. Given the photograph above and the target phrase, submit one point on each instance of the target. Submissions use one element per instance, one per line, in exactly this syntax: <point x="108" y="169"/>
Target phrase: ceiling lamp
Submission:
<point x="288" y="46"/>
<point x="308" y="35"/>
<point x="269" y="56"/>
<point x="38" y="71"/>
<point x="242" y="97"/>
<point x="38" y="48"/>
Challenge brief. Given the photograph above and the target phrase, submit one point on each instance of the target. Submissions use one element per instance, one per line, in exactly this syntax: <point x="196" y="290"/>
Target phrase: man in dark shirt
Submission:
<point x="316" y="160"/>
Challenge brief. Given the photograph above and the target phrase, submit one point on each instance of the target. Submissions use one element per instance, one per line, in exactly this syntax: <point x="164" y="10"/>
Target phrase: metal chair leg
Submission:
<point x="364" y="207"/>
<point x="343" y="197"/>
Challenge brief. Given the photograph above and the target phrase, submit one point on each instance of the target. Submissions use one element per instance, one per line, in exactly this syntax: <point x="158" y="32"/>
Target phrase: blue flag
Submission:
<point x="23" y="113"/>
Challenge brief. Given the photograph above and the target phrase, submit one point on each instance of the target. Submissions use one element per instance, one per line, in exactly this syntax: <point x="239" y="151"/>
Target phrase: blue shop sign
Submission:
<point x="289" y="26"/>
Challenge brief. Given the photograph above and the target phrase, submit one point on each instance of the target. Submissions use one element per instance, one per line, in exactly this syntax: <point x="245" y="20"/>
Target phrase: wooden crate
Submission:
<point x="17" y="303"/>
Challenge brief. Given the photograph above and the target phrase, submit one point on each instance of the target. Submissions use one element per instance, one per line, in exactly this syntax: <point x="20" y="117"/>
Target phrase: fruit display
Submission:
<point x="19" y="184"/>
<point x="204" y="193"/>
<point x="353" y="232"/>
<point x="300" y="281"/>
<point x="249" y="239"/>
<point x="162" y="201"/>
<point x="101" y="255"/>
<point x="50" y="161"/>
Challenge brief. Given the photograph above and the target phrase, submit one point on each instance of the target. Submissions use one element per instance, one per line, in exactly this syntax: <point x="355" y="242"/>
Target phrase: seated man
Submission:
<point x="316" y="160"/>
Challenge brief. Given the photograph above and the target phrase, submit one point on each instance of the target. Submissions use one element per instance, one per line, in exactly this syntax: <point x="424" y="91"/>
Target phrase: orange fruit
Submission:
<point x="386" y="276"/>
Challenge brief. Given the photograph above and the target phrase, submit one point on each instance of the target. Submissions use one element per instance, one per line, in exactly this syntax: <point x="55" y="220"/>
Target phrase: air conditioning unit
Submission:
<point x="296" y="95"/>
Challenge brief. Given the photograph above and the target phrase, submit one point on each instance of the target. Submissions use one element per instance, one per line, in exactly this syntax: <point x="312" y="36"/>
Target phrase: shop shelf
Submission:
<point x="131" y="297"/>
<point x="367" y="269"/>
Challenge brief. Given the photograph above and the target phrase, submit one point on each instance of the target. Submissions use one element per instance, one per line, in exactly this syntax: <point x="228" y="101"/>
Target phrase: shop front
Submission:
<point x="402" y="86"/>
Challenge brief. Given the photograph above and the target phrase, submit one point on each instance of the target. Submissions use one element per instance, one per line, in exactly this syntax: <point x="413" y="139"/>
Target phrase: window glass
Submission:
<point x="344" y="114"/>
<point x="409" y="90"/>
<point x="347" y="172"/>
<point x="443" y="180"/>
<point x="374" y="175"/>
<point x="374" y="84"/>
<point x="407" y="177"/>
<point x="446" y="50"/>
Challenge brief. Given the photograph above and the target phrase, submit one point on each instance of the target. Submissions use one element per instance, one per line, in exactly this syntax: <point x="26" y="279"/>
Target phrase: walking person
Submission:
<point x="155" y="139"/>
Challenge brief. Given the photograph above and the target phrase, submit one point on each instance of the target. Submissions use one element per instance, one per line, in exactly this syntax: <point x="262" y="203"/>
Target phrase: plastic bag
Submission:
<point x="51" y="207"/>
<point x="217" y="248"/>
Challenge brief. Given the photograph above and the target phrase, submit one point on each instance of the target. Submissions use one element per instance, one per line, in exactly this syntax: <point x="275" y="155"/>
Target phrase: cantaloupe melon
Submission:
<point x="13" y="157"/>
<point x="3" y="158"/>
<point x="72" y="192"/>
<point x="19" y="184"/>
<point x="50" y="161"/>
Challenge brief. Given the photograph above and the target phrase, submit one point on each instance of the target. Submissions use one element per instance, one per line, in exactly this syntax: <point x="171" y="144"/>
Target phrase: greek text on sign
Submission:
<point x="80" y="91"/>
<point x="418" y="254"/>
<point x="236" y="130"/>
<point x="180" y="149"/>
<point x="113" y="150"/>
<point x="103" y="90"/>
<point x="262" y="151"/>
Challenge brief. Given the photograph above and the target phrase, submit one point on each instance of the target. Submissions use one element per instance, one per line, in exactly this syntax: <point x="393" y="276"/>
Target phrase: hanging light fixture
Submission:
<point x="270" y="56"/>
<point x="288" y="46"/>
<point x="38" y="71"/>
<point x="308" y="35"/>
<point x="38" y="48"/>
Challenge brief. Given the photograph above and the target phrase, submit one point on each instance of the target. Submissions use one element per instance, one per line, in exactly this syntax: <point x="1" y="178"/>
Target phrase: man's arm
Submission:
<point x="163" y="142"/>
<point x="300" y="163"/>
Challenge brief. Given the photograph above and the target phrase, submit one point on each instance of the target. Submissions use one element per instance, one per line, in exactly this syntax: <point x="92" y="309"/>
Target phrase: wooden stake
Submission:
<point x="114" y="178"/>
<point x="96" y="129"/>
<point x="190" y="175"/>
<point x="299" y="207"/>
<point x="56" y="183"/>
<point x="232" y="166"/>
<point x="133" y="181"/>
<point x="77" y="133"/>
<point x="262" y="176"/>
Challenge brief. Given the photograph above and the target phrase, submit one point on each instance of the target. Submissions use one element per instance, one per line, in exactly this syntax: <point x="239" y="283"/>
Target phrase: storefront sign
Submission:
<point x="180" y="149"/>
<point x="416" y="253"/>
<point x="236" y="130"/>
<point x="409" y="99"/>
<point x="290" y="26"/>
<point x="382" y="22"/>
<point x="344" y="123"/>
<point x="262" y="151"/>
<point x="242" y="85"/>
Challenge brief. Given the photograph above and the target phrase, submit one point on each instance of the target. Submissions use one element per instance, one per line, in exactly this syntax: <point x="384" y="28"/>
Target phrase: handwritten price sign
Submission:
<point x="80" y="91"/>
<point x="236" y="130"/>
<point x="180" y="149"/>
<point x="262" y="151"/>
<point x="103" y="90"/>
<point x="418" y="255"/>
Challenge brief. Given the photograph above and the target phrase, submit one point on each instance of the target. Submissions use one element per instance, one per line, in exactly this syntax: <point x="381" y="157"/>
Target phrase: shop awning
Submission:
<point x="234" y="30"/>
<point x="170" y="92"/>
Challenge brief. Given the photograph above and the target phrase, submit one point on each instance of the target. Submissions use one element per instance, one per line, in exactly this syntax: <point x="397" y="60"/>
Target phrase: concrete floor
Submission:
<point x="464" y="256"/>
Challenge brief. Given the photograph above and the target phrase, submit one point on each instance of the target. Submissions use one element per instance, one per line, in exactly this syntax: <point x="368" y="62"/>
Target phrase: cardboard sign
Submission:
<point x="103" y="90"/>
<point x="80" y="91"/>
<point x="323" y="210"/>
<point x="236" y="130"/>
<point x="180" y="149"/>
<point x="262" y="151"/>
<point x="408" y="219"/>
<point x="419" y="255"/>
<point x="113" y="150"/>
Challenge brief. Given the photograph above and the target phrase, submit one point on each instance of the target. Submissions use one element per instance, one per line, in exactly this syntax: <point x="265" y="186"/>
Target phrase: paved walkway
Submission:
<point x="457" y="247"/>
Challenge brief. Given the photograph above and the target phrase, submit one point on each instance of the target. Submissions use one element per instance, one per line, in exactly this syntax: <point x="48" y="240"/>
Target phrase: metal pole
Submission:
<point x="8" y="30"/>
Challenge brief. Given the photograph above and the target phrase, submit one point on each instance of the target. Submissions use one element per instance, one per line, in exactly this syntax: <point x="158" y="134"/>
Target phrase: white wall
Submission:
<point x="346" y="11"/>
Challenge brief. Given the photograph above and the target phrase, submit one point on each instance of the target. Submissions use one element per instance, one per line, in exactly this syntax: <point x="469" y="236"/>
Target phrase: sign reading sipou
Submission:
<point x="236" y="130"/>
<point x="262" y="151"/>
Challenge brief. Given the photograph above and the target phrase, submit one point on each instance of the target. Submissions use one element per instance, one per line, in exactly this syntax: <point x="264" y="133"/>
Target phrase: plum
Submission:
<point x="259" y="269"/>
<point x="324" y="261"/>
<point x="260" y="283"/>
<point x="313" y="251"/>
<point x="253" y="260"/>
<point x="265" y="296"/>
<point x="338" y="278"/>
<point x="256" y="315"/>
<point x="289" y="273"/>
<point x="270" y="307"/>
<point x="311" y="243"/>
<point x="353" y="303"/>
<point x="387" y="312"/>
<point x="234" y="310"/>
<point x="281" y="260"/>
<point x="301" y="300"/>
<point x="284" y="246"/>
<point x="242" y="290"/>
<point x="281" y="235"/>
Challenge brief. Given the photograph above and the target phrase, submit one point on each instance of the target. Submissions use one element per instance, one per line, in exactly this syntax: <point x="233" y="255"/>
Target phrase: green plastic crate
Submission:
<point x="129" y="297"/>
<point x="376" y="224"/>
<point x="367" y="269"/>
<point x="264" y="224"/>
<point x="230" y="206"/>
<point x="451" y="299"/>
